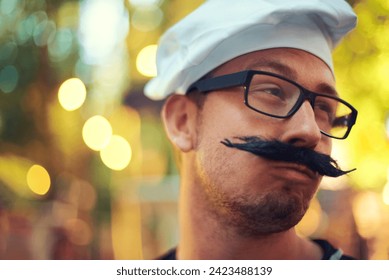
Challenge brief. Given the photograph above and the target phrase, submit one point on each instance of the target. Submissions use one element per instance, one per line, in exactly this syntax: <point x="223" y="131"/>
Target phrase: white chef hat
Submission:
<point x="220" y="30"/>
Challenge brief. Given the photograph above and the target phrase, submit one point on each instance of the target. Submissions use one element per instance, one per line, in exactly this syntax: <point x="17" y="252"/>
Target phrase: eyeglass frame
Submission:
<point x="243" y="78"/>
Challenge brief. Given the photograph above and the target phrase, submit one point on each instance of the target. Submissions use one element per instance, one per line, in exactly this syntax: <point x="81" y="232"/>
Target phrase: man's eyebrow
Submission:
<point x="277" y="67"/>
<point x="326" y="89"/>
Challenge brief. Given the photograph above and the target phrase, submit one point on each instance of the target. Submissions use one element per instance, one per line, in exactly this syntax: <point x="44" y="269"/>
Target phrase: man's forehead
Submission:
<point x="296" y="65"/>
<point x="285" y="61"/>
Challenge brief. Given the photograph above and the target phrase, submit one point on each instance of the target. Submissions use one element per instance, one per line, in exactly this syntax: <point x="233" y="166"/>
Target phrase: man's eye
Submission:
<point x="269" y="90"/>
<point x="325" y="107"/>
<point x="325" y="111"/>
<point x="275" y="91"/>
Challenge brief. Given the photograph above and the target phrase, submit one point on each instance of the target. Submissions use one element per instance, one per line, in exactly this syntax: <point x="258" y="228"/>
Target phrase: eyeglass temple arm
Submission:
<point x="225" y="81"/>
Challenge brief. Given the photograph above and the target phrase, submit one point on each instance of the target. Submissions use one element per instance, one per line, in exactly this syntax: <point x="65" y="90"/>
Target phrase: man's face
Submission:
<point x="252" y="194"/>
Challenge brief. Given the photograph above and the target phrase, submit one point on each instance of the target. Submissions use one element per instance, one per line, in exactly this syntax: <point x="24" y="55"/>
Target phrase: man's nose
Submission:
<point x="302" y="129"/>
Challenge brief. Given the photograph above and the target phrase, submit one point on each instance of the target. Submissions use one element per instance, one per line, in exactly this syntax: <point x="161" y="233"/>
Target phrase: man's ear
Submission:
<point x="179" y="115"/>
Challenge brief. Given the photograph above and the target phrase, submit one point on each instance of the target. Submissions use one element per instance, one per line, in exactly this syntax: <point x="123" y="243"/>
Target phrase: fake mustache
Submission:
<point x="279" y="151"/>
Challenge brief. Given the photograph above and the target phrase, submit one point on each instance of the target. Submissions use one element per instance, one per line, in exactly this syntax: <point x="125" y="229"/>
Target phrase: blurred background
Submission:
<point x="85" y="169"/>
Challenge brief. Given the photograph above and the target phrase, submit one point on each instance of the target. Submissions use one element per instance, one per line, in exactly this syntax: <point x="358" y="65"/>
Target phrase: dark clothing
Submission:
<point x="329" y="252"/>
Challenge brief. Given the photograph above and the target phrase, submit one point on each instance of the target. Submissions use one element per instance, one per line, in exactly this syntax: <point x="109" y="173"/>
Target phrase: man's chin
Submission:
<point x="272" y="215"/>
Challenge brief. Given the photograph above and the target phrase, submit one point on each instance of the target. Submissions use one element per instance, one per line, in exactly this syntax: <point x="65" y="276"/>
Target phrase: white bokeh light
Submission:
<point x="103" y="26"/>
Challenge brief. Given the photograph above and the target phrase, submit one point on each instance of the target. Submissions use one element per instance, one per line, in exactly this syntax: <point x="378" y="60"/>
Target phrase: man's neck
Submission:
<point x="198" y="244"/>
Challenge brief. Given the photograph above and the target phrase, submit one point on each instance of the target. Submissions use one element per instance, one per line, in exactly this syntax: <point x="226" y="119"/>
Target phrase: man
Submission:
<point x="252" y="109"/>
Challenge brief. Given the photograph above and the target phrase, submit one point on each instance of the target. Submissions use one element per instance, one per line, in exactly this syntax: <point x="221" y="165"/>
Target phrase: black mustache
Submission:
<point x="276" y="150"/>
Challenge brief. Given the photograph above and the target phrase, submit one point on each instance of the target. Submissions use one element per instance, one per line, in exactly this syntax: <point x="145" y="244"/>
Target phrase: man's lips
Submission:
<point x="299" y="168"/>
<point x="282" y="166"/>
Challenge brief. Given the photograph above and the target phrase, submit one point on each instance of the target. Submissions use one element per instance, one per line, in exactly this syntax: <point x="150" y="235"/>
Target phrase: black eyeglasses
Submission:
<point x="275" y="96"/>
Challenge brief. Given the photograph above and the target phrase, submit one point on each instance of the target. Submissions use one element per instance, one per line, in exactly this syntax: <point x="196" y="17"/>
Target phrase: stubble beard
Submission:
<point x="246" y="212"/>
<point x="271" y="213"/>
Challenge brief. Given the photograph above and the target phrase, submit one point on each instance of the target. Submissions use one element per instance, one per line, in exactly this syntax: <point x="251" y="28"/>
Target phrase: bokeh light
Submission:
<point x="9" y="77"/>
<point x="97" y="132"/>
<point x="145" y="61"/>
<point x="7" y="7"/>
<point x="117" y="155"/>
<point x="312" y="219"/>
<point x="147" y="18"/>
<point x="61" y="46"/>
<point x="44" y="33"/>
<point x="13" y="171"/>
<point x="8" y="51"/>
<point x="38" y="179"/>
<point x="72" y="94"/>
<point x="25" y="29"/>
<point x="78" y="232"/>
<point x="367" y="214"/>
<point x="103" y="24"/>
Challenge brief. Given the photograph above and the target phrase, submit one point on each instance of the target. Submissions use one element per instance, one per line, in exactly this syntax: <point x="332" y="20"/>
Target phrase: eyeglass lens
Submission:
<point x="279" y="98"/>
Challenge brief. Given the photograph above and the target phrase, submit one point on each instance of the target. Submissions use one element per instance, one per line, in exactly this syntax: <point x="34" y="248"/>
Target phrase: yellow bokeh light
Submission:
<point x="97" y="132"/>
<point x="117" y="155"/>
<point x="38" y="179"/>
<point x="72" y="94"/>
<point x="310" y="223"/>
<point x="145" y="61"/>
<point x="367" y="214"/>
